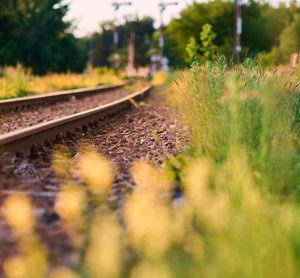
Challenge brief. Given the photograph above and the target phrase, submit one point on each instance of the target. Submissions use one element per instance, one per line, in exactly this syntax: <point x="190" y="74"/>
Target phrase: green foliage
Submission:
<point x="290" y="40"/>
<point x="262" y="27"/>
<point x="192" y="48"/>
<point x="206" y="37"/>
<point x="35" y="34"/>
<point x="288" y="44"/>
<point x="206" y="49"/>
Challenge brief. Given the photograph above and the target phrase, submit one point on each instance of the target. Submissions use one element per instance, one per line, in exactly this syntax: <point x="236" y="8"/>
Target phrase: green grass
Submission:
<point x="245" y="128"/>
<point x="243" y="107"/>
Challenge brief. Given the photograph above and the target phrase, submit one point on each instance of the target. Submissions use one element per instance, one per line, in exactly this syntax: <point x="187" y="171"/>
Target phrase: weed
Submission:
<point x="18" y="82"/>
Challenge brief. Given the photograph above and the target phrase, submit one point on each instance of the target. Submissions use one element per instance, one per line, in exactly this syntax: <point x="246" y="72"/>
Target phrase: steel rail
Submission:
<point x="22" y="102"/>
<point x="26" y="139"/>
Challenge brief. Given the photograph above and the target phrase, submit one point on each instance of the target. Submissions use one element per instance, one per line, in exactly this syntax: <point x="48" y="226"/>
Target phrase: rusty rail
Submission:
<point x="30" y="138"/>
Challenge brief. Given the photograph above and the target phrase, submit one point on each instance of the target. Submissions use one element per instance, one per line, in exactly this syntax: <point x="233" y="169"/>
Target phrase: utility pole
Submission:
<point x="162" y="7"/>
<point x="131" y="55"/>
<point x="116" y="6"/>
<point x="238" y="30"/>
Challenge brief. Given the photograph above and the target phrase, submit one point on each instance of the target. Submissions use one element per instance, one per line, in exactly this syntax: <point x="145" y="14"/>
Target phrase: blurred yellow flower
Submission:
<point x="146" y="175"/>
<point x="18" y="213"/>
<point x="96" y="172"/>
<point x="182" y="221"/>
<point x="104" y="254"/>
<point x="15" y="267"/>
<point x="31" y="263"/>
<point x="147" y="211"/>
<point x="196" y="180"/>
<point x="70" y="203"/>
<point x="61" y="162"/>
<point x="149" y="224"/>
<point x="211" y="206"/>
<point x="36" y="256"/>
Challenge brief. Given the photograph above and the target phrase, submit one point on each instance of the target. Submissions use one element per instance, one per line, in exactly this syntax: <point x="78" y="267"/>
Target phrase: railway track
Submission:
<point x="148" y="129"/>
<point x="34" y="138"/>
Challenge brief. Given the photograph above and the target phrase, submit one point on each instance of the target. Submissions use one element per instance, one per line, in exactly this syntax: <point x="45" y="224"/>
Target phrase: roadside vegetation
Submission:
<point x="227" y="206"/>
<point x="18" y="82"/>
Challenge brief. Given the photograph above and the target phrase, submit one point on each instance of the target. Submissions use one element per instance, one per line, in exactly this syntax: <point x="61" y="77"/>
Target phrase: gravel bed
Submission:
<point x="13" y="120"/>
<point x="149" y="130"/>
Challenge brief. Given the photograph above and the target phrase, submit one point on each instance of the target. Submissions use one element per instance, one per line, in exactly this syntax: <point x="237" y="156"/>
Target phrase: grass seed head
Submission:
<point x="19" y="215"/>
<point x="97" y="172"/>
<point x="70" y="205"/>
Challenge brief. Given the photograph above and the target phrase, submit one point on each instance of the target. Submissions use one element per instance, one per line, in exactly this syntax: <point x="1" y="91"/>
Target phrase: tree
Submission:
<point x="219" y="14"/>
<point x="34" y="33"/>
<point x="262" y="26"/>
<point x="103" y="42"/>
<point x="289" y="41"/>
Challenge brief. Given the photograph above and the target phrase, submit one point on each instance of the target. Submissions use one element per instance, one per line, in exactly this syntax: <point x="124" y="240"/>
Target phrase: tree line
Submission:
<point x="35" y="34"/>
<point x="274" y="31"/>
<point x="101" y="43"/>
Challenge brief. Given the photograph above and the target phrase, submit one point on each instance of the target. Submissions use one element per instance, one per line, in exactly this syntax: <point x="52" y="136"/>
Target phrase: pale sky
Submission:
<point x="88" y="14"/>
